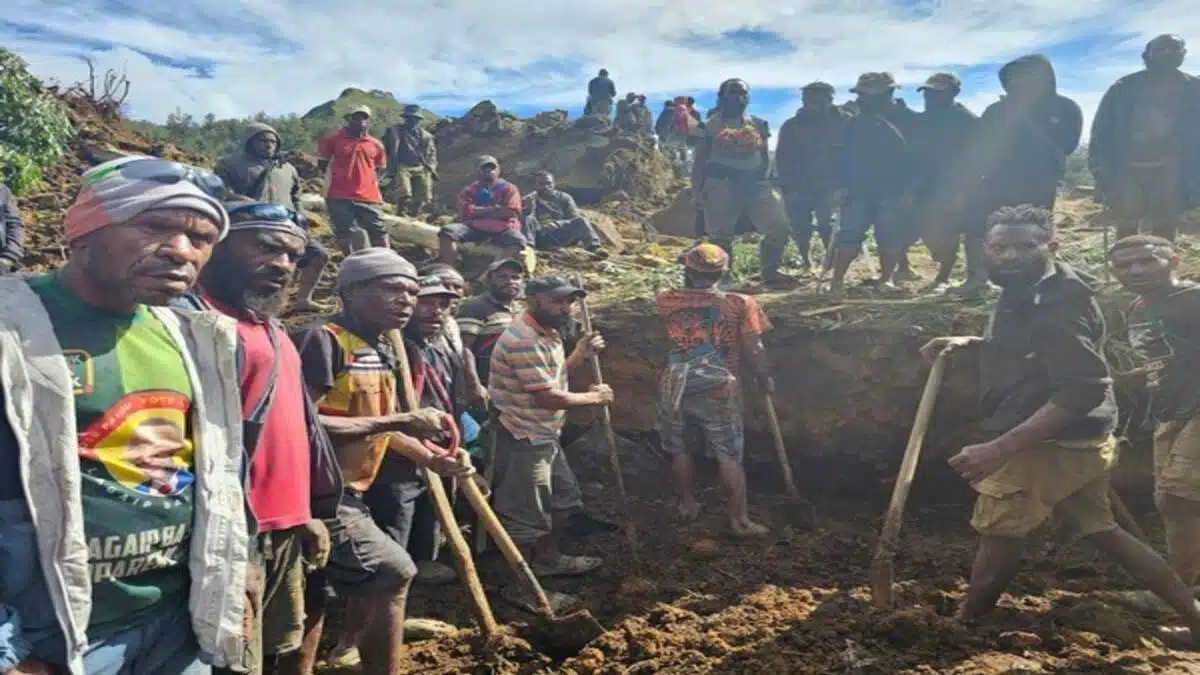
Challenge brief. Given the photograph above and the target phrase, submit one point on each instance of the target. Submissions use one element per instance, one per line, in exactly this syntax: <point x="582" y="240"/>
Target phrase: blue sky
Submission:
<point x="237" y="57"/>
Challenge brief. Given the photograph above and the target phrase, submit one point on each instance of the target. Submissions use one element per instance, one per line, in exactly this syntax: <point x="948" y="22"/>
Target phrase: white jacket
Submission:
<point x="40" y="407"/>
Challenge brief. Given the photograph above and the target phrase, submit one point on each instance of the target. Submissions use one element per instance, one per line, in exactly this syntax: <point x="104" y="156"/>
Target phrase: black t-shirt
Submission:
<point x="1165" y="334"/>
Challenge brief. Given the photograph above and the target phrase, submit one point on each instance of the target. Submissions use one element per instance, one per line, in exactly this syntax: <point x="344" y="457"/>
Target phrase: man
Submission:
<point x="536" y="492"/>
<point x="626" y="118"/>
<point x="399" y="499"/>
<point x="412" y="156"/>
<point x="730" y="180"/>
<point x="552" y="219"/>
<point x="1047" y="396"/>
<point x="1164" y="330"/>
<point x="712" y="335"/>
<point x="258" y="171"/>
<point x="804" y="160"/>
<point x="451" y="334"/>
<point x="352" y="160"/>
<point x="1021" y="148"/>
<point x="294" y="479"/>
<point x="1145" y="149"/>
<point x="124" y="425"/>
<point x="12" y="237"/>
<point x="349" y="369"/>
<point x="875" y="170"/>
<point x="643" y="117"/>
<point x="601" y="92"/>
<point x="482" y="319"/>
<point x="664" y="121"/>
<point x="490" y="211"/>
<point x="943" y="183"/>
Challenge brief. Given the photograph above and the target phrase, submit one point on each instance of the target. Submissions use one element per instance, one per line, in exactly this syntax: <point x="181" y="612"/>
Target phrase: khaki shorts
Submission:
<point x="724" y="206"/>
<point x="414" y="182"/>
<point x="1025" y="492"/>
<point x="1149" y="193"/>
<point x="1177" y="459"/>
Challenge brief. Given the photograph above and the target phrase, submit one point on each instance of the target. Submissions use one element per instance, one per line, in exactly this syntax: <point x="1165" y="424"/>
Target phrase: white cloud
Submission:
<point x="287" y="55"/>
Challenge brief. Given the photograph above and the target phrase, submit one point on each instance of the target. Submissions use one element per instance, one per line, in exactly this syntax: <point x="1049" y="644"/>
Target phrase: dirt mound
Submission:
<point x="596" y="165"/>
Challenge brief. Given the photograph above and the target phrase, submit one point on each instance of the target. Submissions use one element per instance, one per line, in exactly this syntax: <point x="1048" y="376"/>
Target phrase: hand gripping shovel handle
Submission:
<point x="441" y="503"/>
<point x="881" y="574"/>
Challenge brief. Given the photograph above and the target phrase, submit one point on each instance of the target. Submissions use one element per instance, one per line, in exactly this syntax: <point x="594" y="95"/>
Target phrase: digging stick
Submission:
<point x="441" y="503"/>
<point x="611" y="437"/>
<point x="881" y="573"/>
<point x="780" y="449"/>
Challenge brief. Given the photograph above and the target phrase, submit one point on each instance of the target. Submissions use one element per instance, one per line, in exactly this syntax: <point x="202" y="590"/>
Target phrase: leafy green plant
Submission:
<point x="34" y="126"/>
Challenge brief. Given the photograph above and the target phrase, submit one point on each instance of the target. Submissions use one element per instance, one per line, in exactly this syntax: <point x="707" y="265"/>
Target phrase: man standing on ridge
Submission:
<point x="353" y="159"/>
<point x="942" y="189"/>
<point x="601" y="92"/>
<point x="730" y="180"/>
<point x="804" y="160"/>
<point x="1145" y="145"/>
<point x="412" y="159"/>
<point x="1047" y="396"/>
<point x="122" y="419"/>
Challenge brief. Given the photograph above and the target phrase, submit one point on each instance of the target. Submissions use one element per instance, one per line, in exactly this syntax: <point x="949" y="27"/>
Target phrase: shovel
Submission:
<point x="568" y="633"/>
<point x="441" y="503"/>
<point x="881" y="573"/>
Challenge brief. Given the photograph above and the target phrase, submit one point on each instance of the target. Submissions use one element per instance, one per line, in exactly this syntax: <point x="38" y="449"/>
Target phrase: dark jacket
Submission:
<point x="1108" y="150"/>
<point x="874" y="159"/>
<point x="12" y="228"/>
<point x="601" y="87"/>
<point x="1044" y="344"/>
<point x="409" y="146"/>
<point x="808" y="146"/>
<point x="270" y="180"/>
<point x="942" y="139"/>
<point x="1022" y="147"/>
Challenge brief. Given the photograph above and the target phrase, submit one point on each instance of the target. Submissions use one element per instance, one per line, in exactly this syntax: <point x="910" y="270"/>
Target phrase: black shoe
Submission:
<point x="582" y="525"/>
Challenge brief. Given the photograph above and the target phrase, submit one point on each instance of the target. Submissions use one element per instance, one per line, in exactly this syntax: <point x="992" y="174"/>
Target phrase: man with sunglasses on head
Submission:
<point x="122" y="529"/>
<point x="293" y="475"/>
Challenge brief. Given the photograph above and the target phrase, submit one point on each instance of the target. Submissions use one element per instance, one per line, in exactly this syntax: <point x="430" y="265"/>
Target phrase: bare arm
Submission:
<point x="561" y="399"/>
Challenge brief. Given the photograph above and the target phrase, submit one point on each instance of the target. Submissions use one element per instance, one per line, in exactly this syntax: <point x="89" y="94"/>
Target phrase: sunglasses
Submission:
<point x="162" y="171"/>
<point x="272" y="213"/>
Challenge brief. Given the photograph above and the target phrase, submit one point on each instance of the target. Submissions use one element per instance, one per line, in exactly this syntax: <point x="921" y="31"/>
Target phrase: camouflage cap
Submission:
<point x="941" y="82"/>
<point x="875" y="83"/>
<point x="819" y="86"/>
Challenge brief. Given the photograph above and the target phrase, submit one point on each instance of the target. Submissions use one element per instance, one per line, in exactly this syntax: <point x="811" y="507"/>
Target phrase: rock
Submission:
<point x="1017" y="639"/>
<point x="427" y="629"/>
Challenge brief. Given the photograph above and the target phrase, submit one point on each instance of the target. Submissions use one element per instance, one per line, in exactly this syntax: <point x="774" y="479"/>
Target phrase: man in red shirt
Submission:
<point x="352" y="160"/>
<point x="490" y="210"/>
<point x="294" y="478"/>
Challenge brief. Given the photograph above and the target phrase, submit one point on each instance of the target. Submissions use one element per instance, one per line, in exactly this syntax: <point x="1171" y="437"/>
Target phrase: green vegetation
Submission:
<point x="213" y="137"/>
<point x="1077" y="169"/>
<point x="34" y="126"/>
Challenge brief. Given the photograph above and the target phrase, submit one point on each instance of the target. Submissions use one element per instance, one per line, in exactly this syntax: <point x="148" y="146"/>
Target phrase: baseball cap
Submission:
<point x="506" y="262"/>
<point x="366" y="110"/>
<point x="875" y="83"/>
<point x="941" y="82"/>
<point x="432" y="284"/>
<point x="555" y="287"/>
<point x="484" y="160"/>
<point x="708" y="258"/>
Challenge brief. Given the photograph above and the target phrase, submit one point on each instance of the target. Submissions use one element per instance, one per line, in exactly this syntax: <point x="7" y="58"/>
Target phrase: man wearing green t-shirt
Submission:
<point x="124" y="426"/>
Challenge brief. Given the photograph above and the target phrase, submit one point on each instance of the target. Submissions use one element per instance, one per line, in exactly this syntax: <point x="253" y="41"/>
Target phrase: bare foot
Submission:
<point x="746" y="528"/>
<point x="688" y="511"/>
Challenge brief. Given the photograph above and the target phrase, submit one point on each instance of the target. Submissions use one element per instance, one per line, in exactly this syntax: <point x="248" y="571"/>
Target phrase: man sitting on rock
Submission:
<point x="712" y="334"/>
<point x="552" y="220"/>
<point x="490" y="210"/>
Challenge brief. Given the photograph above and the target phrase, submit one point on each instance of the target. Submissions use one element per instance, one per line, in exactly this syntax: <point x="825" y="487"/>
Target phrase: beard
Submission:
<point x="233" y="285"/>
<point x="548" y="320"/>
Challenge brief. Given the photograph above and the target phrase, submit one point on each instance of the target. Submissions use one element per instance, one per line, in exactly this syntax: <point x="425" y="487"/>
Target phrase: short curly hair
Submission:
<point x="1023" y="214"/>
<point x="1162" y="247"/>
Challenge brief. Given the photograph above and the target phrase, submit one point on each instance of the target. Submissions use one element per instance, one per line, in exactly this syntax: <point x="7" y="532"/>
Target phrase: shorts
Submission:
<point x="719" y="418"/>
<point x="1150" y="194"/>
<point x="1177" y="459"/>
<point x="941" y="226"/>
<point x="363" y="559"/>
<point x="1024" y="493"/>
<point x="347" y="215"/>
<point x="282" y="557"/>
<point x="803" y="209"/>
<point x="534" y="485"/>
<point x="414" y="182"/>
<point x="164" y="645"/>
<point x="860" y="215"/>
<point x="465" y="234"/>
<point x="313" y="251"/>
<point x="400" y="504"/>
<point x="725" y="204"/>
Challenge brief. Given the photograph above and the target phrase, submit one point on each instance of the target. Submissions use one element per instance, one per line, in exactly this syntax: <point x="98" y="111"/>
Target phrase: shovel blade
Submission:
<point x="881" y="577"/>
<point x="567" y="634"/>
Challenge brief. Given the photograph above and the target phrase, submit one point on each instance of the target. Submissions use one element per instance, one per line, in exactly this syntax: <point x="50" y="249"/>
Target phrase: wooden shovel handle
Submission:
<point x="785" y="464"/>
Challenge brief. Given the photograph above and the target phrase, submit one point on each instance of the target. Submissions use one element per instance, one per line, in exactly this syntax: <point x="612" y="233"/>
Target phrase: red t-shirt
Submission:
<point x="499" y="193"/>
<point x="279" y="486"/>
<point x="689" y="315"/>
<point x="354" y="164"/>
